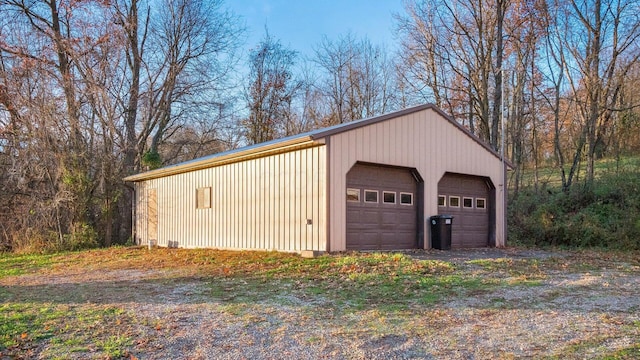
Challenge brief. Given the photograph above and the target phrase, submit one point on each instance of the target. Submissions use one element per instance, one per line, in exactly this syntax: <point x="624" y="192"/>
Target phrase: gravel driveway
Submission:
<point x="547" y="305"/>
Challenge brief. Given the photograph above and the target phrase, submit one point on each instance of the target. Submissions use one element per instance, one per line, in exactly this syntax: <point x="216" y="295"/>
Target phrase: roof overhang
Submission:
<point x="251" y="152"/>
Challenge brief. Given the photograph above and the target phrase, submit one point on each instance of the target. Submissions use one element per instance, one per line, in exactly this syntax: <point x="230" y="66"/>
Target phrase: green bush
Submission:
<point x="83" y="236"/>
<point x="605" y="214"/>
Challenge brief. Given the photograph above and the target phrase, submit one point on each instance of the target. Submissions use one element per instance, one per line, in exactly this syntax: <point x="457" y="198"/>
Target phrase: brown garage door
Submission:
<point x="466" y="198"/>
<point x="381" y="208"/>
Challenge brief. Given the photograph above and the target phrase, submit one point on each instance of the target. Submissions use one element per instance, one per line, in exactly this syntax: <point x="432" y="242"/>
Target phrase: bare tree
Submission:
<point x="85" y="90"/>
<point x="453" y="53"/>
<point x="271" y="90"/>
<point x="599" y="46"/>
<point x="357" y="81"/>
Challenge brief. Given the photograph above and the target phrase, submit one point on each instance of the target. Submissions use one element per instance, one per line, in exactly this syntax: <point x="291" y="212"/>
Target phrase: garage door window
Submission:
<point x="442" y="200"/>
<point x="467" y="203"/>
<point x="371" y="196"/>
<point x="389" y="197"/>
<point x="406" y="198"/>
<point x="353" y="195"/>
<point x="454" y="201"/>
<point x="480" y="203"/>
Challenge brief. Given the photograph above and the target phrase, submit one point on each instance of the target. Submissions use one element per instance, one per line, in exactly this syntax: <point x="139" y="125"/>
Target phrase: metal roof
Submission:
<point x="307" y="139"/>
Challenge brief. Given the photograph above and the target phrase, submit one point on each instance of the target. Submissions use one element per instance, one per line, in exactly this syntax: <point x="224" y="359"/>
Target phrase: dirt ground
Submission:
<point x="548" y="305"/>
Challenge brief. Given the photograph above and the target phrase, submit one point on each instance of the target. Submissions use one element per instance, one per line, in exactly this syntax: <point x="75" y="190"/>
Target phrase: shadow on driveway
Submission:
<point x="463" y="255"/>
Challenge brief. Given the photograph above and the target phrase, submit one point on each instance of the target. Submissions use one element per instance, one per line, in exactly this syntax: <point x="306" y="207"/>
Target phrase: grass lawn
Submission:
<point x="85" y="304"/>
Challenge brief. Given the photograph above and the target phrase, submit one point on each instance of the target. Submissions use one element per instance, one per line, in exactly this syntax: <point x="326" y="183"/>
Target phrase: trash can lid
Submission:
<point x="443" y="216"/>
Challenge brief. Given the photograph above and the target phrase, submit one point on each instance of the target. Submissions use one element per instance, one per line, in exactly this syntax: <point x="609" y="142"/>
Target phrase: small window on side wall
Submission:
<point x="442" y="200"/>
<point x="371" y="196"/>
<point x="454" y="201"/>
<point x="481" y="203"/>
<point x="389" y="197"/>
<point x="353" y="195"/>
<point x="203" y="198"/>
<point x="467" y="203"/>
<point x="406" y="198"/>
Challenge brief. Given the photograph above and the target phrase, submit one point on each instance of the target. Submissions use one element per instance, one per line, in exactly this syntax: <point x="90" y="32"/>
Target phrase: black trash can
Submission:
<point x="441" y="231"/>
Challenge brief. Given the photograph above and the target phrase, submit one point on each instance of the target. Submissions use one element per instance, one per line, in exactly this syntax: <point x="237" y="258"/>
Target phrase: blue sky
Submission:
<point x="300" y="25"/>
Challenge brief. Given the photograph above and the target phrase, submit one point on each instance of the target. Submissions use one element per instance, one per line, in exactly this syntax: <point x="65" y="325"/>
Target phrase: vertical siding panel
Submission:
<point x="197" y="175"/>
<point x="201" y="224"/>
<point x="322" y="194"/>
<point x="276" y="197"/>
<point x="226" y="209"/>
<point x="162" y="205"/>
<point x="211" y="211"/>
<point x="183" y="205"/>
<point x="233" y="202"/>
<point x="351" y="150"/>
<point x="378" y="139"/>
<point x="293" y="193"/>
<point x="187" y="209"/>
<point x="231" y="193"/>
<point x="242" y="204"/>
<point x="318" y="225"/>
<point x="386" y="148"/>
<point x="289" y="190"/>
<point x="307" y="197"/>
<point x="248" y="175"/>
<point x="264" y="211"/>
<point x="254" y="202"/>
<point x="270" y="208"/>
<point x="220" y="209"/>
<point x="180" y="204"/>
<point x="298" y="173"/>
<point x="139" y="219"/>
<point x="239" y="205"/>
<point x="257" y="199"/>
<point x="215" y="203"/>
<point x="195" y="224"/>
<point x="285" y="223"/>
<point x="283" y="202"/>
<point x="316" y="199"/>
<point x="361" y="142"/>
<point x="300" y="204"/>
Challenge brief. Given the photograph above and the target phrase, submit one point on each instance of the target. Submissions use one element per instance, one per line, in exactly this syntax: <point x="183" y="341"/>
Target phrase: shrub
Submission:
<point x="605" y="214"/>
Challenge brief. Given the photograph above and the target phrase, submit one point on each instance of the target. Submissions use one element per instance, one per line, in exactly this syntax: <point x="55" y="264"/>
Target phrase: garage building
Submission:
<point x="370" y="184"/>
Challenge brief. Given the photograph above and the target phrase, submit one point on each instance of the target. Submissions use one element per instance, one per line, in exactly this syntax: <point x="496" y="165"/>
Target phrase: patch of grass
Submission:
<point x="14" y="265"/>
<point x="115" y="346"/>
<point x="511" y="267"/>
<point x="632" y="352"/>
<point x="22" y="323"/>
<point x="576" y="348"/>
<point x="67" y="329"/>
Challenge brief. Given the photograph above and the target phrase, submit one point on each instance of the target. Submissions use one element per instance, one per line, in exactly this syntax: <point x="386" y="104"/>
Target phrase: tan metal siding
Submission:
<point x="262" y="203"/>
<point x="423" y="140"/>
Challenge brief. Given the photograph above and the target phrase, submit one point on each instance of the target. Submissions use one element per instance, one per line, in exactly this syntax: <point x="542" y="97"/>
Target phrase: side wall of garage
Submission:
<point x="424" y="140"/>
<point x="276" y="202"/>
